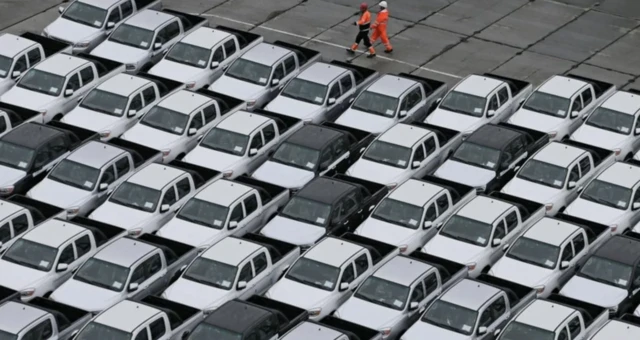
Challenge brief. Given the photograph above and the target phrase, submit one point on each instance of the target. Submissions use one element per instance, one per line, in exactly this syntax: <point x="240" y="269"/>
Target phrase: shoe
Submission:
<point x="371" y="56"/>
<point x="388" y="51"/>
<point x="350" y="51"/>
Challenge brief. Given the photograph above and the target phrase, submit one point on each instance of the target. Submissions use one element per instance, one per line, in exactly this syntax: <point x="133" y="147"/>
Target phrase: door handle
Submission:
<point x="345" y="222"/>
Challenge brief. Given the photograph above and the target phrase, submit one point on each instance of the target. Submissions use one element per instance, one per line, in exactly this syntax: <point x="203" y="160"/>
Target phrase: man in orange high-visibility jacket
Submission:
<point x="380" y="27"/>
<point x="364" y="23"/>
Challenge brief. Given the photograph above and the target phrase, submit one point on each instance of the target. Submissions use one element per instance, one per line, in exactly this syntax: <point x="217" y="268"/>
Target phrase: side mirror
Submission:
<point x="497" y="332"/>
<point x="564" y="264"/>
<point x="111" y="24"/>
<point x="62" y="267"/>
<point x="505" y="247"/>
<point x="185" y="335"/>
<point x="132" y="113"/>
<point x="253" y="152"/>
<point x="438" y="100"/>
<point x="60" y="9"/>
<point x="439" y="225"/>
<point x="482" y="330"/>
<point x="574" y="114"/>
<point x="491" y="113"/>
<point x="516" y="168"/>
<point x="415" y="165"/>
<point x="636" y="205"/>
<point x="275" y="82"/>
<point x="427" y="225"/>
<point x="414" y="305"/>
<point x="157" y="46"/>
<point x="331" y="101"/>
<point x="343" y="286"/>
<point x="214" y="64"/>
<point x="103" y="186"/>
<point x="233" y="225"/>
<point x="16" y="74"/>
<point x="68" y="92"/>
<point x="241" y="285"/>
<point x="371" y="207"/>
<point x="74" y="333"/>
<point x="403" y="113"/>
<point x="192" y="131"/>
<point x="164" y="208"/>
<point x="496" y="242"/>
<point x="183" y="268"/>
<point x="637" y="131"/>
<point x="362" y="150"/>
<point x="133" y="287"/>
<point x="572" y="184"/>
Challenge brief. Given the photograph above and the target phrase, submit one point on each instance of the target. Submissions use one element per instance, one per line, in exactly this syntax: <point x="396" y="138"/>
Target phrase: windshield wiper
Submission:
<point x="456" y="110"/>
<point x="601" y="201"/>
<point x="597" y="279"/>
<point x="22" y="263"/>
<point x="541" y="111"/>
<point x="299" y="219"/>
<point x="460" y="238"/>
<point x="525" y="260"/>
<point x="208" y="146"/>
<point x="372" y="300"/>
<point x="607" y="128"/>
<point x="35" y="90"/>
<point x="305" y="281"/>
<point x="128" y="205"/>
<point x="68" y="182"/>
<point x="442" y="325"/>
<point x="94" y="282"/>
<point x="180" y="61"/>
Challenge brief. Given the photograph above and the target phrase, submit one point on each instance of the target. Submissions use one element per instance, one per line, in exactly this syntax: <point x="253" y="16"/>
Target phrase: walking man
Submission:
<point x="380" y="27"/>
<point x="364" y="23"/>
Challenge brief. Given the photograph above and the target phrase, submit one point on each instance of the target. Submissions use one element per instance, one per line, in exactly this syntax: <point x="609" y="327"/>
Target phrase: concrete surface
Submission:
<point x="442" y="39"/>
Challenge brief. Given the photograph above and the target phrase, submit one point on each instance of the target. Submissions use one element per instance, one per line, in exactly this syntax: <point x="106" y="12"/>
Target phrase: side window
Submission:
<point x="21" y="64"/>
<point x="83" y="245"/>
<point x="430" y="283"/>
<point x="326" y="157"/>
<point x="290" y="64"/>
<point x="230" y="47"/>
<point x="251" y="204"/>
<point x="577" y="104"/>
<point x="42" y="331"/>
<point x="518" y="147"/>
<point x="157" y="329"/>
<point x="67" y="256"/>
<point x="138" y="275"/>
<point x="412" y="99"/>
<point x="279" y="72"/>
<point x="169" y="196"/>
<point x="349" y="274"/>
<point x="109" y="175"/>
<point x="340" y="146"/>
<point x="256" y="142"/>
<point x="143" y="335"/>
<point x="512" y="221"/>
<point x="493" y="103"/>
<point x="430" y="145"/>
<point x="246" y="274"/>
<point x="578" y="243"/>
<point x="74" y="82"/>
<point x="575" y="174"/>
<point x="218" y="55"/>
<point x="564" y="335"/>
<point x="184" y="187"/>
<point x="149" y="95"/>
<point x="3" y="125"/>
<point x="20" y="224"/>
<point x="269" y="133"/>
<point x="499" y="307"/>
<point x="567" y="253"/>
<point x="34" y="56"/>
<point x="418" y="155"/>
<point x="5" y="233"/>
<point x="500" y="232"/>
<point x="431" y="214"/>
<point x="237" y="214"/>
<point x="114" y="16"/>
<point x="123" y="166"/>
<point x="173" y="30"/>
<point x="587" y="97"/>
<point x="503" y="96"/>
<point x="260" y="263"/>
<point x="335" y="91"/>
<point x="86" y="74"/>
<point x="362" y="264"/>
<point x="574" y="327"/>
<point x="57" y="147"/>
<point x="418" y="293"/>
<point x="585" y="166"/>
<point x="136" y="103"/>
<point x="350" y="204"/>
<point x="126" y="8"/>
<point x="196" y="122"/>
<point x="153" y="265"/>
<point x="346" y="83"/>
<point x="443" y="203"/>
<point x="209" y="113"/>
<point x="486" y="318"/>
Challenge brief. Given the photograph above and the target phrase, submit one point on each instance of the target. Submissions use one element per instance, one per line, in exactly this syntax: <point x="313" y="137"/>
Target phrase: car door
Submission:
<point x="432" y="158"/>
<point x="42" y="330"/>
<point x="20" y="65"/>
<point x="635" y="141"/>
<point x="148" y="275"/>
<point x="492" y="108"/>
<point x="246" y="274"/>
<point x="270" y="143"/>
<point x="504" y="110"/>
<point x="575" y="245"/>
<point x="499" y="315"/>
<point x="252" y="220"/>
<point x="264" y="278"/>
<point x="418" y="162"/>
<point x="68" y="102"/>
<point x="333" y="110"/>
<point x="410" y="105"/>
<point x="169" y="198"/>
<point x="499" y="233"/>
<point x="67" y="256"/>
<point x="586" y="172"/>
<point x="350" y="219"/>
<point x="87" y="78"/>
<point x="278" y="73"/>
<point x="340" y="159"/>
<point x="586" y="98"/>
<point x="197" y="123"/>
<point x="237" y="215"/>
<point x="348" y="88"/>
<point x="167" y="36"/>
<point x="108" y="177"/>
<point x="348" y="276"/>
<point x="290" y="69"/>
<point x="424" y="235"/>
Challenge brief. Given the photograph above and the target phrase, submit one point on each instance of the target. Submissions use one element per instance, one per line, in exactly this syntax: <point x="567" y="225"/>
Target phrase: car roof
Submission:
<point x="403" y="270"/>
<point x="61" y="64"/>
<point x="564" y="87"/>
<point x="325" y="189"/>
<point x="149" y="19"/>
<point x="15" y="316"/>
<point x="622" y="101"/>
<point x="404" y="135"/>
<point x="477" y="85"/>
<point x="124" y="251"/>
<point x="31" y="135"/>
<point x="322" y="73"/>
<point x="333" y="251"/>
<point x="551" y="231"/>
<point x="493" y="136"/>
<point x="184" y="101"/>
<point x="126" y="315"/>
<point x="391" y="85"/>
<point x="205" y="37"/>
<point x="265" y="54"/>
<point x="470" y="294"/>
<point x="236" y="316"/>
<point x="155" y="176"/>
<point x="415" y="192"/>
<point x="123" y="84"/>
<point x="559" y="154"/>
<point x="243" y="122"/>
<point x="616" y="329"/>
<point x="8" y="208"/>
<point x="484" y="209"/>
<point x="53" y="233"/>
<point x="95" y="154"/>
<point x="231" y="250"/>
<point x="544" y="314"/>
<point x="621" y="174"/>
<point x="104" y="4"/>
<point x="314" y="136"/>
<point x="223" y="192"/>
<point x="620" y="248"/>
<point x="309" y="330"/>
<point x="13" y="44"/>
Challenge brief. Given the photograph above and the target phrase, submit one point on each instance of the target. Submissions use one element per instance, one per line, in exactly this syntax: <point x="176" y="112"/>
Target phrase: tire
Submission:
<point x="564" y="139"/>
<point x="486" y="270"/>
<point x="181" y="156"/>
<point x="47" y="295"/>
<point x="562" y="210"/>
<point x="629" y="156"/>
<point x="58" y="117"/>
<point x="146" y="67"/>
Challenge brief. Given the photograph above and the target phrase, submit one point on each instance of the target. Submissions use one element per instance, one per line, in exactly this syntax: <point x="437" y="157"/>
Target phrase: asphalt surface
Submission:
<point x="443" y="39"/>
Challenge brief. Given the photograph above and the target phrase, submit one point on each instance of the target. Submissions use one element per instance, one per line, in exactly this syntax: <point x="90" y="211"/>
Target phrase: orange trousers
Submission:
<point x="380" y="32"/>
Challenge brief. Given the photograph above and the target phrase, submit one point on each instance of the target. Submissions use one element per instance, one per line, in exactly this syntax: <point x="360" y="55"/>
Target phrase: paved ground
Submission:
<point x="443" y="39"/>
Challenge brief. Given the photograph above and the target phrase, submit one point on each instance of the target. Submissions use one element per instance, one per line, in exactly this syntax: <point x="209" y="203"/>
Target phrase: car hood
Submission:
<point x="91" y="120"/>
<point x="211" y="159"/>
<point x="464" y="173"/>
<point x="385" y="232"/>
<point x="593" y="292"/>
<point x="85" y="296"/>
<point x="535" y="121"/>
<point x="292" y="231"/>
<point x="452" y="249"/>
<point x="298" y="294"/>
<point x="375" y="172"/>
<point x="195" y="294"/>
<point x="598" y="137"/>
<point x="189" y="233"/>
<point x="120" y="216"/>
<point x="365" y="121"/>
<point x="58" y="194"/>
<point x="118" y="52"/>
<point x="283" y="175"/>
<point x="294" y="108"/>
<point x="9" y="176"/>
<point x="531" y="191"/>
<point x="236" y="88"/>
<point x="176" y="71"/>
<point x="28" y="99"/>
<point x="19" y="277"/>
<point x="594" y="212"/>
<point x="376" y="316"/>
<point x="452" y="120"/>
<point x="71" y="31"/>
<point x="520" y="272"/>
<point x="150" y="137"/>
<point x="423" y="330"/>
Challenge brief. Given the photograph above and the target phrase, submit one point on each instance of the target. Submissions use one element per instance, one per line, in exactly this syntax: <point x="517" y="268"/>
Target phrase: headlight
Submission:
<point x="553" y="134"/>
<point x="166" y="152"/>
<point x="45" y="32"/>
<point x="82" y="44"/>
<point x="251" y="103"/>
<point x="471" y="266"/>
<point x="385" y="332"/>
<point x="72" y="211"/>
<point x="480" y="190"/>
<point x="613" y="227"/>
<point x="191" y="84"/>
<point x="314" y="311"/>
<point x="27" y="292"/>
<point x="6" y="190"/>
<point x="617" y="151"/>
<point x="391" y="186"/>
<point x="539" y="289"/>
<point x="267" y="295"/>
<point x="227" y="173"/>
<point x="131" y="67"/>
<point x="135" y="232"/>
<point x="336" y="314"/>
<point x="466" y="134"/>
<point x="548" y="206"/>
<point x="105" y="133"/>
<point x="613" y="309"/>
<point x="403" y="248"/>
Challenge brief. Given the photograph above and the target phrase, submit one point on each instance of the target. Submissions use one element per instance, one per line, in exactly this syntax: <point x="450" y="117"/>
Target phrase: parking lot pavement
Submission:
<point x="443" y="39"/>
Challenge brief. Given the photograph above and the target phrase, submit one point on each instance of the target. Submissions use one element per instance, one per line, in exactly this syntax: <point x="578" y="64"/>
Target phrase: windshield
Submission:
<point x="607" y="271"/>
<point x="306" y="91"/>
<point x="31" y="254"/>
<point x="534" y="252"/>
<point x="166" y="120"/>
<point x="132" y="36"/>
<point x="205" y="331"/>
<point x="400" y="213"/>
<point x="389" y="154"/>
<point x="95" y="330"/>
<point x="611" y="120"/>
<point x="314" y="273"/>
<point x="75" y="174"/>
<point x="42" y="82"/>
<point x="383" y="292"/>
<point x="518" y="331"/>
<point x="211" y="273"/>
<point x="103" y="274"/>
<point x="225" y="141"/>
<point x="547" y="104"/>
<point x="608" y="194"/>
<point x="452" y="317"/>
<point x="136" y="197"/>
<point x="204" y="213"/>
<point x="543" y="173"/>
<point x="297" y="156"/>
<point x="15" y="156"/>
<point x="189" y="55"/>
<point x="85" y="14"/>
<point x="7" y="336"/>
<point x="477" y="155"/>
<point x="5" y="66"/>
<point x="249" y="71"/>
<point x="105" y="102"/>
<point x="467" y="230"/>
<point x="307" y="211"/>
<point x="377" y="104"/>
<point x="464" y="103"/>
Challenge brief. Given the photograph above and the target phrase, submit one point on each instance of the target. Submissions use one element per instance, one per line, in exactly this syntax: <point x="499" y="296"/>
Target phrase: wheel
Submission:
<point x="564" y="139"/>
<point x="562" y="210"/>
<point x="486" y="270"/>
<point x="146" y="67"/>
<point x="555" y="291"/>
<point x="181" y="156"/>
<point x="629" y="156"/>
<point x="58" y="117"/>
<point x="47" y="295"/>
